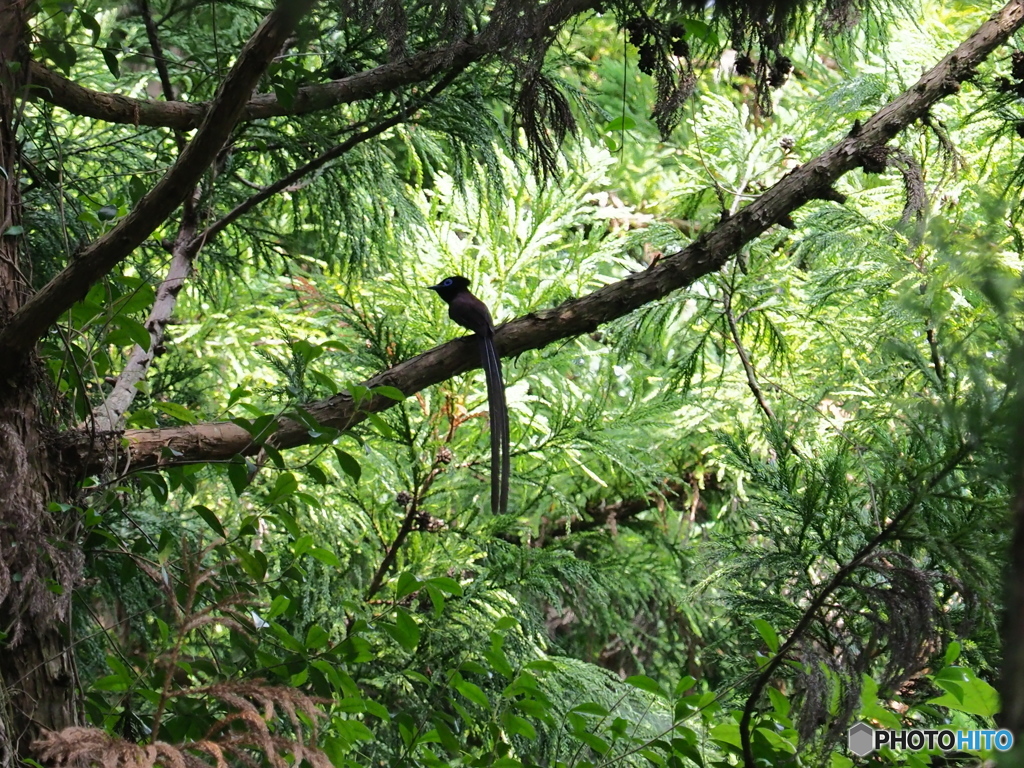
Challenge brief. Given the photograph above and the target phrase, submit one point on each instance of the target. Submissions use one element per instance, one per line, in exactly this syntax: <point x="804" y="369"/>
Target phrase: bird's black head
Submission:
<point x="450" y="287"/>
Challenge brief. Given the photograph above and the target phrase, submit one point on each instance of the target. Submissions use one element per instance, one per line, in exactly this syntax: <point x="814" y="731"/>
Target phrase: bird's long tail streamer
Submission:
<point x="498" y="409"/>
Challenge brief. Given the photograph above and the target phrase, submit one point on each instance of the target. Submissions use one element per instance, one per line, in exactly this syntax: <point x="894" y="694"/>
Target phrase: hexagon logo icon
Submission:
<point x="861" y="739"/>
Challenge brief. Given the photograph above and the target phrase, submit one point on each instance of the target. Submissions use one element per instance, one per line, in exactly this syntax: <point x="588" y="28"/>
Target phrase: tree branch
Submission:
<point x="95" y="260"/>
<point x="109" y="414"/>
<point x="224" y="440"/>
<point x="114" y="108"/>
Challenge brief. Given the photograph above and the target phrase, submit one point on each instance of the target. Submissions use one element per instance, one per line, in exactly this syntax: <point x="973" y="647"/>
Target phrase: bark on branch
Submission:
<point x="224" y="440"/>
<point x="109" y="414"/>
<point x="95" y="260"/>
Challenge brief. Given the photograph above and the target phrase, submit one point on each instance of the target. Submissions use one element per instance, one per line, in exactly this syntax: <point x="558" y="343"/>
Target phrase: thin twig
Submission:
<point x="748" y="367"/>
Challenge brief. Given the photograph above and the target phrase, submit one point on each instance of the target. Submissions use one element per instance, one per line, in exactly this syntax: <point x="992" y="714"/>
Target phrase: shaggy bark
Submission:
<point x="221" y="441"/>
<point x="37" y="672"/>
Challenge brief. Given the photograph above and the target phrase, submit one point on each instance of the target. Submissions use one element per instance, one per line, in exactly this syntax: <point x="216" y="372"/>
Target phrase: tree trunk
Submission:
<point x="38" y="566"/>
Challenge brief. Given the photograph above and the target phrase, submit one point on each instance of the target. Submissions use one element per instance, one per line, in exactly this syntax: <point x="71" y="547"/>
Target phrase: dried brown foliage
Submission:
<point x="246" y="735"/>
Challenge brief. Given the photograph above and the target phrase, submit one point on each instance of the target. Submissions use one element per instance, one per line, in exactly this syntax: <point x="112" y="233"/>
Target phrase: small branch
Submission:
<point x="158" y="52"/>
<point x="900" y="519"/>
<point x="411" y="516"/>
<point x="748" y="367"/>
<point x="94" y="261"/>
<point x="161" y="65"/>
<point x="392" y="553"/>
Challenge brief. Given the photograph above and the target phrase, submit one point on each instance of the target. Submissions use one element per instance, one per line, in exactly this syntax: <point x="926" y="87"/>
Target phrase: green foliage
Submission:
<point x="686" y="480"/>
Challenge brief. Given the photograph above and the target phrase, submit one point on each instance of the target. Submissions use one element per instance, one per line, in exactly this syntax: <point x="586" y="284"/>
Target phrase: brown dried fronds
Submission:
<point x="905" y="621"/>
<point x="264" y="724"/>
<point x="87" y="747"/>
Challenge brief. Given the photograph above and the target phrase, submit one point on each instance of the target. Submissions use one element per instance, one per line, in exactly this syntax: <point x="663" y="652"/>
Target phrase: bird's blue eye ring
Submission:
<point x="447" y="282"/>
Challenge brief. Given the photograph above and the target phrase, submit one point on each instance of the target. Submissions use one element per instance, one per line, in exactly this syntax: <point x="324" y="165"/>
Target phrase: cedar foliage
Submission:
<point x="686" y="478"/>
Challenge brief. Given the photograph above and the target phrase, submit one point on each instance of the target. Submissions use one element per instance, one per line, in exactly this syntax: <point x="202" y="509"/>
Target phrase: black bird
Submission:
<point x="471" y="313"/>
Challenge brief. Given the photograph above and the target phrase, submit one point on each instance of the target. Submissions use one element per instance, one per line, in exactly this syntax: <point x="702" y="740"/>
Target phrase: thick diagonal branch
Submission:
<point x="97" y="259"/>
<point x="222" y="441"/>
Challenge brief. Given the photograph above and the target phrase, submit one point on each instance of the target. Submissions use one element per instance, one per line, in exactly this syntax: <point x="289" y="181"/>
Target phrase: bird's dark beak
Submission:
<point x="432" y="287"/>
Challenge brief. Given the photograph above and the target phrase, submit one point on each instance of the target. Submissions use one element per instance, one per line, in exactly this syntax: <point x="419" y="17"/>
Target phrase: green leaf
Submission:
<point x="407" y="584"/>
<point x="318" y="475"/>
<point x="965" y="692"/>
<point x="285" y="485"/>
<point x="175" y="411"/>
<point x="125" y="331"/>
<point x="354" y="650"/>
<point x="316" y="637"/>
<point x="210" y="518"/>
<point x="277" y="606"/>
<point x="436" y="599"/>
<point x="348" y="464"/>
<point x="701" y="32"/>
<point x="728" y="734"/>
<point x="111" y="683"/>
<point x="325" y="556"/>
<point x="473" y="693"/>
<point x="352" y="730"/>
<point x="768" y="634"/>
<point x="405" y="630"/>
<point x="238" y="474"/>
<point x="336" y="749"/>
<point x="685" y="683"/>
<point x="14" y="230"/>
<point x="621" y="123"/>
<point x="590" y="708"/>
<point x="593" y="741"/>
<point x="780" y="703"/>
<point x="391" y="392"/>
<point x="382" y="426"/>
<point x="499" y="661"/>
<point x="952" y="652"/>
<point x="447" y="737"/>
<point x="90" y="23"/>
<point x="646" y="684"/>
<point x="687" y="746"/>
<point x="446" y="584"/>
<point x="518" y="726"/>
